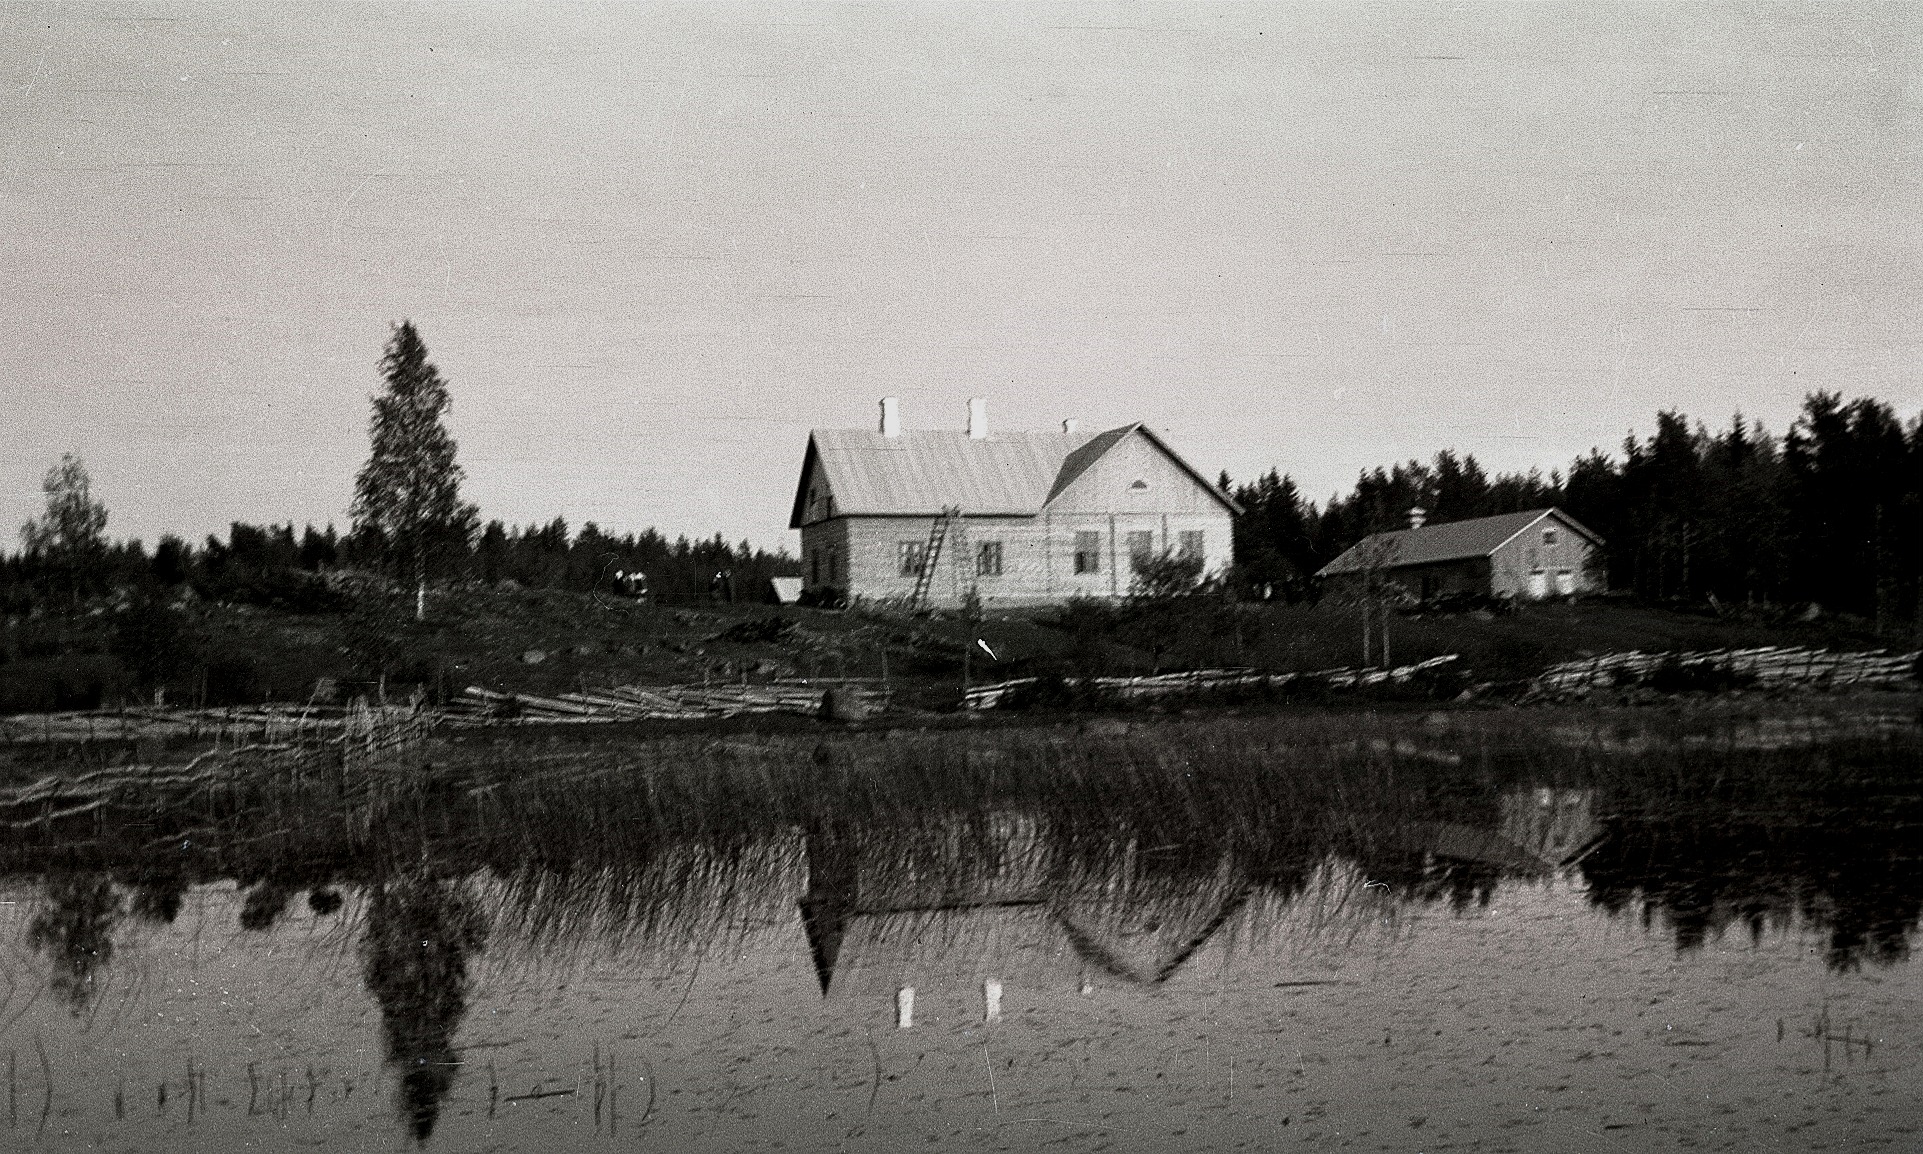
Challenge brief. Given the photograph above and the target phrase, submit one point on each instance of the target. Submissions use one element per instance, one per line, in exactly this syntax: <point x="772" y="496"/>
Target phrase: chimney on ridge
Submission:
<point x="1417" y="515"/>
<point x="977" y="419"/>
<point x="1068" y="426"/>
<point x="891" y="416"/>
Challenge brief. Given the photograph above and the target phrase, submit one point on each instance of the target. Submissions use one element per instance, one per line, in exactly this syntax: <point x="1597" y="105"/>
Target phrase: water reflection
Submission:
<point x="75" y="930"/>
<point x="421" y="934"/>
<point x="1857" y="876"/>
<point x="966" y="903"/>
<point x="156" y="893"/>
<point x="1120" y="874"/>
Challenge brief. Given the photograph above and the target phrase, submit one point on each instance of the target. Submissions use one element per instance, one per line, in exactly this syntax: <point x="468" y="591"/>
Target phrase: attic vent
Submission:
<point x="1139" y="486"/>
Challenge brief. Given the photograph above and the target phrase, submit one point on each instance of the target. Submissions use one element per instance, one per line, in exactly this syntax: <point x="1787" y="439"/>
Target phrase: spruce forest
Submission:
<point x="1828" y="514"/>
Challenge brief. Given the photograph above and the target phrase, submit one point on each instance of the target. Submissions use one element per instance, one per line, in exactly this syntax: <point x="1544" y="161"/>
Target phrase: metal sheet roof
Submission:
<point x="1449" y="541"/>
<point x="920" y="473"/>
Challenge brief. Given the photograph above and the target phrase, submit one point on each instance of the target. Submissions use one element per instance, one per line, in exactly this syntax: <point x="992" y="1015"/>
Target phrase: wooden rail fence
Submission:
<point x="1165" y="684"/>
<point x="1768" y="667"/>
<point x="481" y="706"/>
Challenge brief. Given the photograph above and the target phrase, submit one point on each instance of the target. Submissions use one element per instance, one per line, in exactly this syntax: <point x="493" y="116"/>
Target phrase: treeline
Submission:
<point x="1830" y="513"/>
<point x="273" y="566"/>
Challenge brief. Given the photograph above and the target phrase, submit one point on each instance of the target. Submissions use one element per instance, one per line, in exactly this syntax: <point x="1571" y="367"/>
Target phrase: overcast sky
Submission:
<point x="650" y="247"/>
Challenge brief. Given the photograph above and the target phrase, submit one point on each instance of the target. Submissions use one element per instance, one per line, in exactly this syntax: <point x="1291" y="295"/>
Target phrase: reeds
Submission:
<point x="676" y="840"/>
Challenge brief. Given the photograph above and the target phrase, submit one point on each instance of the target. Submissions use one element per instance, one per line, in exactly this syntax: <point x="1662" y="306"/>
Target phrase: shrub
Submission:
<point x="154" y="640"/>
<point x="74" y="681"/>
<point x="234" y="679"/>
<point x="1676" y="676"/>
<point x="1051" y="690"/>
<point x="824" y="597"/>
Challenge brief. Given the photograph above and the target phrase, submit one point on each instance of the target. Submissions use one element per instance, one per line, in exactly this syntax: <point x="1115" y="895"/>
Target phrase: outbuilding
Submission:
<point x="1531" y="555"/>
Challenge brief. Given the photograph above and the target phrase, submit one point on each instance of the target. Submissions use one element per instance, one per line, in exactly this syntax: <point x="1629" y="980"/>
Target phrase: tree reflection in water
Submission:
<point x="75" y="930"/>
<point x="420" y="933"/>
<point x="157" y="894"/>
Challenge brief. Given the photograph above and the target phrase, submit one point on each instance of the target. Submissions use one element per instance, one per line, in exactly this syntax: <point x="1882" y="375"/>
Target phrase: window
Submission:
<point x="1189" y="542"/>
<point x="1088" y="552"/>
<point x="988" y="559"/>
<point x="1549" y="538"/>
<point x="908" y="558"/>
<point x="1141" y="547"/>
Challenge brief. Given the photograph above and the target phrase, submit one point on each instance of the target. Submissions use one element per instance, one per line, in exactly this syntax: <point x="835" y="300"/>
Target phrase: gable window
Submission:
<point x="1139" y="486"/>
<point x="1549" y="538"/>
<point x="1141" y="547"/>
<point x="1088" y="552"/>
<point x="908" y="558"/>
<point x="1189" y="542"/>
<point x="988" y="559"/>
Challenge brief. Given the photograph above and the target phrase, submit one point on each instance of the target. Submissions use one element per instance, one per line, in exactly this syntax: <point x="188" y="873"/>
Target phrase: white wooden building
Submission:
<point x="1024" y="517"/>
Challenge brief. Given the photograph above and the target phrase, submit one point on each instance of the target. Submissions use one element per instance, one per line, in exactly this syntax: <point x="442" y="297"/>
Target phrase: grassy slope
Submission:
<point x="480" y="637"/>
<point x="1522" y="643"/>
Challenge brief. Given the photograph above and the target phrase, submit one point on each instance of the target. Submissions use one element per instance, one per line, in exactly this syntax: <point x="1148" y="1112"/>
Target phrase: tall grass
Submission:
<point x="672" y="839"/>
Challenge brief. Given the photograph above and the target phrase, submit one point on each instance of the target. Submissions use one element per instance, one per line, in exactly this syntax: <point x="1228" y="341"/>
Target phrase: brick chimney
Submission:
<point x="891" y="416"/>
<point x="1417" y="515"/>
<point x="977" y="419"/>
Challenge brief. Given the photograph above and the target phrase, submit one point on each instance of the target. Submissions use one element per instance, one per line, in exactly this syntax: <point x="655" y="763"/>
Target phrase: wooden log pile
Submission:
<point x="1199" y="680"/>
<point x="481" y="706"/>
<point x="1766" y="667"/>
<point x="233" y="726"/>
<point x="375" y="726"/>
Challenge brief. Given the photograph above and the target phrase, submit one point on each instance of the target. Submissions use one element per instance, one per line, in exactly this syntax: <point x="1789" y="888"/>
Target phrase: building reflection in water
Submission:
<point x="1002" y="903"/>
<point x="421" y="933"/>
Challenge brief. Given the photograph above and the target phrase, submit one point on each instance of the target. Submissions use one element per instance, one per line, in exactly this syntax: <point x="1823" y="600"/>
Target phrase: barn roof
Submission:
<point x="1449" y="541"/>
<point x="922" y="472"/>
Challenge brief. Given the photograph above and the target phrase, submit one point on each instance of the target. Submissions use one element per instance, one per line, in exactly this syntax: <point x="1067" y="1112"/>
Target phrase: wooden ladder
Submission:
<point x="931" y="555"/>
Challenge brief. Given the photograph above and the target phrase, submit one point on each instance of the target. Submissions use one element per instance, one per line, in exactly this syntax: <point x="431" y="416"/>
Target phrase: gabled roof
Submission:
<point x="920" y="473"/>
<point x="1449" y="541"/>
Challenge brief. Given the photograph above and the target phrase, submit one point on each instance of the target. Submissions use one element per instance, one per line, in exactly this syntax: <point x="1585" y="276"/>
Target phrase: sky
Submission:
<point x="651" y="246"/>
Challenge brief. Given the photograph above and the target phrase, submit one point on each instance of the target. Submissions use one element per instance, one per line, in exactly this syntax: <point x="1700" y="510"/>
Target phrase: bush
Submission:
<point x="235" y="680"/>
<point x="1675" y="676"/>
<point x="75" y="681"/>
<point x="154" y="640"/>
<point x="293" y="590"/>
<point x="757" y="630"/>
<point x="1053" y="691"/>
<point x="824" y="597"/>
<point x="1460" y="602"/>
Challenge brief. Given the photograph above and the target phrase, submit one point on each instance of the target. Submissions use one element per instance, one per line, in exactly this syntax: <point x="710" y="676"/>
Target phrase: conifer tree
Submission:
<point x="408" y="495"/>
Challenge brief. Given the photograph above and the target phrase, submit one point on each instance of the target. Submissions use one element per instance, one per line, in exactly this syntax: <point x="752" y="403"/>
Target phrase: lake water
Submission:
<point x="1570" y="969"/>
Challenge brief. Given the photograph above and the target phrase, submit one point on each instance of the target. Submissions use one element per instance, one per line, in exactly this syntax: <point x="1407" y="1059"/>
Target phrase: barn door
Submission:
<point x="1538" y="584"/>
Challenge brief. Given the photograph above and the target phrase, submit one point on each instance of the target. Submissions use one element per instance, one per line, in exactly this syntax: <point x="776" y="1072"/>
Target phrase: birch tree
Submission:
<point x="69" y="538"/>
<point x="408" y="494"/>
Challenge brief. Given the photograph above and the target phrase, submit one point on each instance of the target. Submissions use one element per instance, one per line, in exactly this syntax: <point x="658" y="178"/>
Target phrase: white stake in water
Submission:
<point x="905" y="1007"/>
<point x="991" y="1000"/>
